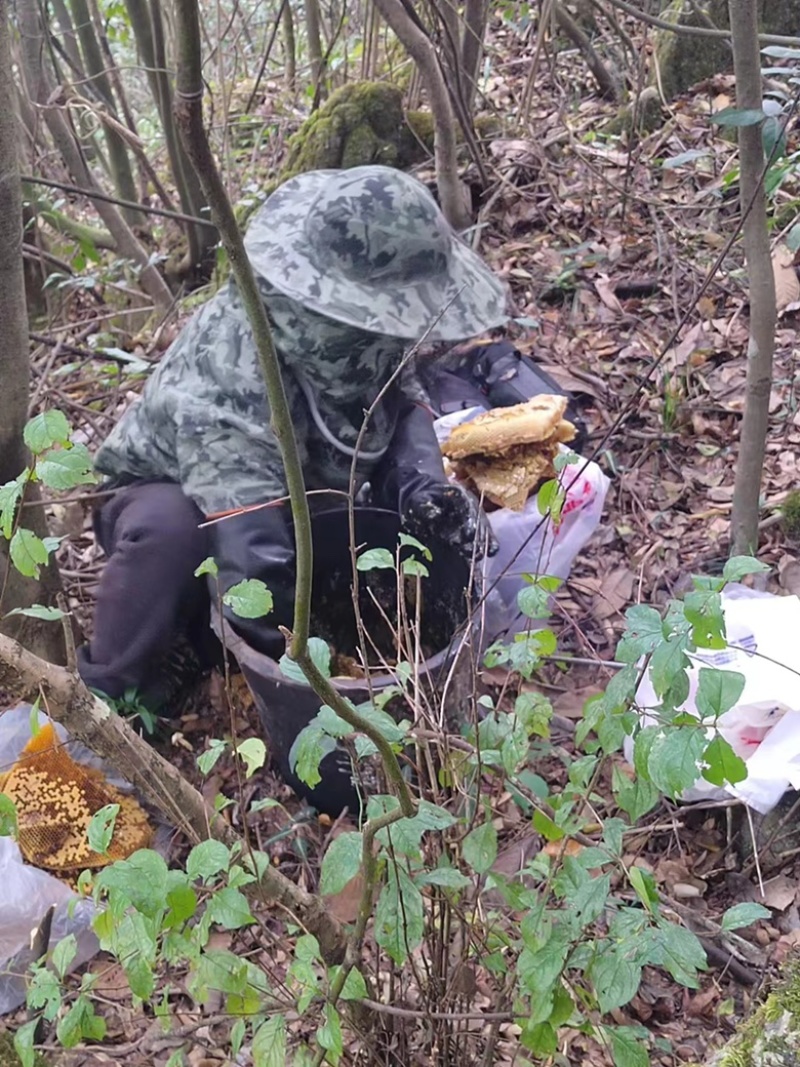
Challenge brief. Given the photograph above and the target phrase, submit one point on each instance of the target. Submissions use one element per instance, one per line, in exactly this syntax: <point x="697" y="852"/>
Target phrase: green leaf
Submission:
<point x="28" y="553"/>
<point x="407" y="539"/>
<point x="550" y="500"/>
<point x="207" y="859"/>
<point x="703" y="610"/>
<point x="534" y="602"/>
<point x="320" y="655"/>
<point x="8" y="816"/>
<point x="341" y="863"/>
<point x="308" y="752"/>
<point x="46" y="429"/>
<point x="444" y="877"/>
<point x="406" y="834"/>
<point x="269" y="1043"/>
<point x="64" y="953"/>
<point x="644" y="886"/>
<point x="24" y="1037"/>
<point x="329" y="1035"/>
<point x="253" y="752"/>
<point x="681" y="953"/>
<point x="249" y="599"/>
<point x="743" y="915"/>
<point x="206" y="760"/>
<point x="541" y="1039"/>
<point x="737" y="567"/>
<point x="141" y="879"/>
<point x="546" y="827"/>
<point x="65" y="468"/>
<point x="375" y="559"/>
<point x="208" y="566"/>
<point x="414" y="568"/>
<point x="616" y="978"/>
<point x="479" y="847"/>
<point x="732" y="116"/>
<point x="627" y="1046"/>
<point x="722" y="764"/>
<point x="399" y="916"/>
<point x="643" y="633"/>
<point x="182" y="903"/>
<point x="101" y="828"/>
<point x="39" y="611"/>
<point x="668" y="660"/>
<point x="717" y="691"/>
<point x="10" y="495"/>
<point x="355" y="987"/>
<point x="675" y="758"/>
<point x="229" y="909"/>
<point x="635" y="797"/>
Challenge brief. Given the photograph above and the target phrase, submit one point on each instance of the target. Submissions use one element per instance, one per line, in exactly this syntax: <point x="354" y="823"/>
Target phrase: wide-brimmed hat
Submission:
<point x="369" y="247"/>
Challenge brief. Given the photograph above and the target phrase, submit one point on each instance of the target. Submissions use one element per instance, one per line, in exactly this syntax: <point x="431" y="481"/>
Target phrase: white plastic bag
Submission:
<point x="28" y="893"/>
<point x="764" y="727"/>
<point x="529" y="543"/>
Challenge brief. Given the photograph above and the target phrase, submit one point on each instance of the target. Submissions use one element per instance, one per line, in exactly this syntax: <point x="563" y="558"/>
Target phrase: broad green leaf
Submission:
<point x="635" y="797"/>
<point x="10" y="495"/>
<point x="667" y="661"/>
<point x="546" y="827"/>
<point x="249" y="599"/>
<point x="308" y="752"/>
<point x="64" y="953"/>
<point x="141" y="878"/>
<point x="182" y="903"/>
<point x="329" y="1035"/>
<point x="541" y="1039"/>
<point x="320" y="654"/>
<point x="28" y="553"/>
<point x="644" y="886"/>
<point x="628" y="1046"/>
<point x="269" y="1043"/>
<point x="375" y="559"/>
<point x="405" y="835"/>
<point x="732" y="116"/>
<point x="722" y="764"/>
<point x="66" y="468"/>
<point x="229" y="909"/>
<point x="590" y="900"/>
<point x="643" y="633"/>
<point x="444" y="877"/>
<point x="46" y="429"/>
<point x="550" y="500"/>
<point x="675" y="758"/>
<point x="355" y="987"/>
<point x="681" y="953"/>
<point x="717" y="691"/>
<point x="415" y="568"/>
<point x="8" y="816"/>
<point x="479" y="847"/>
<point x="206" y="760"/>
<point x="616" y="978"/>
<point x="399" y="915"/>
<point x="534" y="602"/>
<point x="253" y="752"/>
<point x="207" y="859"/>
<point x="39" y="611"/>
<point x="743" y="915"/>
<point x="208" y="566"/>
<point x="341" y="862"/>
<point x="703" y="610"/>
<point x="24" y="1037"/>
<point x="101" y="828"/>
<point x="407" y="539"/>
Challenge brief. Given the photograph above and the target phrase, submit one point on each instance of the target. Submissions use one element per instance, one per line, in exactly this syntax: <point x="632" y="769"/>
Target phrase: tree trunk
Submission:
<point x="16" y="591"/>
<point x="752" y="440"/>
<point x="421" y="50"/>
<point x="118" y="158"/>
<point x="475" y="15"/>
<point x="42" y="90"/>
<point x="314" y="34"/>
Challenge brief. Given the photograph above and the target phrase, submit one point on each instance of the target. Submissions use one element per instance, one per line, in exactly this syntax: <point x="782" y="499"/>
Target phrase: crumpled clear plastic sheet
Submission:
<point x="764" y="727"/>
<point x="27" y="892"/>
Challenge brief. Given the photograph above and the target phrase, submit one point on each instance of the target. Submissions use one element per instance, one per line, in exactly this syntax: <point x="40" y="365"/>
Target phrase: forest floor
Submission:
<point x="606" y="244"/>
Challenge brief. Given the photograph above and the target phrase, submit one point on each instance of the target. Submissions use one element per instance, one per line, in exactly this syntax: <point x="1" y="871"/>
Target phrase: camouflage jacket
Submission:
<point x="203" y="420"/>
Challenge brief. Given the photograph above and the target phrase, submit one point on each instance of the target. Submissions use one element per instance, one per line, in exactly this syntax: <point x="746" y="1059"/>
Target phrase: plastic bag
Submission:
<point x="764" y="727"/>
<point x="531" y="544"/>
<point x="28" y="893"/>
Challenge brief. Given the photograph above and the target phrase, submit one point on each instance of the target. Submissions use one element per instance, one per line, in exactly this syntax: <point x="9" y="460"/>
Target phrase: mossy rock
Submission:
<point x="771" y="1036"/>
<point x="681" y="62"/>
<point x="360" y="124"/>
<point x="638" y="118"/>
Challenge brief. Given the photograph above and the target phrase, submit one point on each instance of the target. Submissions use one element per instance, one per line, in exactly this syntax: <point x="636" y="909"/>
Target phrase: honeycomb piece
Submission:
<point x="56" y="798"/>
<point x="537" y="421"/>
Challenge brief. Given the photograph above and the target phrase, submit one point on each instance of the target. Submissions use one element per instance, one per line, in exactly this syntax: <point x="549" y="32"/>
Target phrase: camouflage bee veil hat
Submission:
<point x="369" y="247"/>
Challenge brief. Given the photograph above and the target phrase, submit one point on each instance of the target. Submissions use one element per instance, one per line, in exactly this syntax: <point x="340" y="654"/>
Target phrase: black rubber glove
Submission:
<point x="411" y="480"/>
<point x="258" y="544"/>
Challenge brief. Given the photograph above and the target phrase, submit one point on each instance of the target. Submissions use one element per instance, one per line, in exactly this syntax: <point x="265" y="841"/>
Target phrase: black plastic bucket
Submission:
<point x="285" y="706"/>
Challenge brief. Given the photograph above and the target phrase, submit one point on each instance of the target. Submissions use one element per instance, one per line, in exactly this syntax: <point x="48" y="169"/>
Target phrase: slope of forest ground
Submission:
<point x="606" y="243"/>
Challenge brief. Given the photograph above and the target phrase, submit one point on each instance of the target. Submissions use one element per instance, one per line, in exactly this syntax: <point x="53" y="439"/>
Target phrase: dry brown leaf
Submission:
<point x="614" y="594"/>
<point x="787" y="284"/>
<point x="570" y="704"/>
<point x="606" y="293"/>
<point x="779" y="892"/>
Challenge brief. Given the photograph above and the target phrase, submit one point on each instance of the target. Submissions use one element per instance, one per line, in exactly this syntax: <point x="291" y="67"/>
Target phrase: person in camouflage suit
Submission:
<point x="352" y="266"/>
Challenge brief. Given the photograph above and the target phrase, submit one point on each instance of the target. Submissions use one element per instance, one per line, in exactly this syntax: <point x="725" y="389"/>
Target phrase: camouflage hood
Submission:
<point x="370" y="248"/>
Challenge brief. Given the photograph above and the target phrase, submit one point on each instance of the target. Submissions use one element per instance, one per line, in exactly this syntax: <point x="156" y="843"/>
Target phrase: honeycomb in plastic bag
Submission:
<point x="56" y="798"/>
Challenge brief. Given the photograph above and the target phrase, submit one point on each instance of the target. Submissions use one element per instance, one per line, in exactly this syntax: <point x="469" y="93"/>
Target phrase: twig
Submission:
<point x="698" y="31"/>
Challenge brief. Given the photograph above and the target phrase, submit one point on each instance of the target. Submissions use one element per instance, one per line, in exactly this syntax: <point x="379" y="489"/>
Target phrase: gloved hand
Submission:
<point x="411" y="480"/>
<point x="455" y="516"/>
<point x="258" y="544"/>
